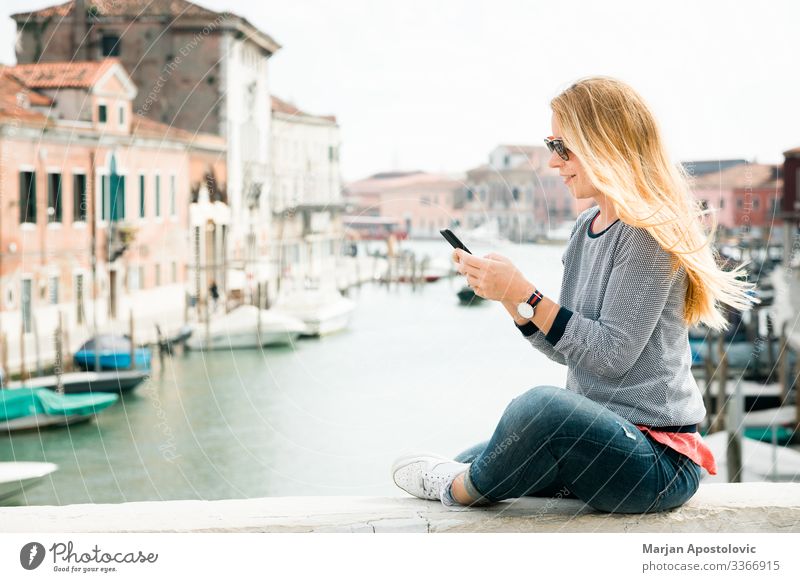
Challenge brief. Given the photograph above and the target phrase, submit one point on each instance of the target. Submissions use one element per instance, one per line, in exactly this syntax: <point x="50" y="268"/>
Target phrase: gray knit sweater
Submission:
<point x="620" y="329"/>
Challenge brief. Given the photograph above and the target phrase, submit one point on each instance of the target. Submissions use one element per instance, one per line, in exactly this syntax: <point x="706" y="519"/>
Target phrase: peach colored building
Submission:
<point x="747" y="196"/>
<point x="420" y="202"/>
<point x="83" y="178"/>
<point x="518" y="196"/>
<point x="196" y="69"/>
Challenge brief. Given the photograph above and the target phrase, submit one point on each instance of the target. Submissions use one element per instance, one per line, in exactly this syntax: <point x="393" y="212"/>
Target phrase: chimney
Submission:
<point x="80" y="41"/>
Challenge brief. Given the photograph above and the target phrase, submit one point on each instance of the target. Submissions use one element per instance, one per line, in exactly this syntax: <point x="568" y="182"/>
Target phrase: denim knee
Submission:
<point x="541" y="401"/>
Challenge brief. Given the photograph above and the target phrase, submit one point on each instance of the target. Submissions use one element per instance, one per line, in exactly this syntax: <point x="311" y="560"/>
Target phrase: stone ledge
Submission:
<point x="747" y="507"/>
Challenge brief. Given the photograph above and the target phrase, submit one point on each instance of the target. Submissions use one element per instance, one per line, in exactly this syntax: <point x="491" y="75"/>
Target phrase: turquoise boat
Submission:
<point x="29" y="408"/>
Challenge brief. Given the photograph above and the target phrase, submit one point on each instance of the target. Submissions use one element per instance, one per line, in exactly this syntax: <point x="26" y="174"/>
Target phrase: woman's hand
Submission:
<point x="493" y="277"/>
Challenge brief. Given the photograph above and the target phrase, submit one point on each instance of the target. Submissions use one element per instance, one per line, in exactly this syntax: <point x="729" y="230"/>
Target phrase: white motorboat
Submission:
<point x="240" y="329"/>
<point x="760" y="461"/>
<point x="322" y="311"/>
<point x="15" y="477"/>
<point x="487" y="235"/>
<point x="561" y="233"/>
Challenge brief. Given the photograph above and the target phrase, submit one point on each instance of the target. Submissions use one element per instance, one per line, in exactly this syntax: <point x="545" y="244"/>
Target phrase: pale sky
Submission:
<point x="436" y="84"/>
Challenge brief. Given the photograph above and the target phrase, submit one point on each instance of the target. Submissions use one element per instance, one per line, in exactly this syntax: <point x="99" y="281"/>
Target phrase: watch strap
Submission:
<point x="535" y="298"/>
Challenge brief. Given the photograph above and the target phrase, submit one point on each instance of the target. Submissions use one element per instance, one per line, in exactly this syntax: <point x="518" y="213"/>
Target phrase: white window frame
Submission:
<point x="78" y="172"/>
<point x="173" y="197"/>
<point x="101" y="173"/>
<point x="32" y="169"/>
<point x="53" y="276"/>
<point x="158" y="214"/>
<point x="47" y="172"/>
<point x="26" y="277"/>
<point x="139" y="216"/>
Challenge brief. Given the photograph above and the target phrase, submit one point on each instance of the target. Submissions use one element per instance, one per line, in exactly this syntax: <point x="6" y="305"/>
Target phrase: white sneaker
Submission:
<point x="425" y="475"/>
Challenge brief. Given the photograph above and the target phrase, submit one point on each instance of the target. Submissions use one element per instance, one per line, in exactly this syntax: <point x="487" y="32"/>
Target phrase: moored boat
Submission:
<point x="113" y="352"/>
<point x="466" y="296"/>
<point x="34" y="408"/>
<point x="240" y="329"/>
<point x="322" y="312"/>
<point x="15" y="477"/>
<point x="113" y="381"/>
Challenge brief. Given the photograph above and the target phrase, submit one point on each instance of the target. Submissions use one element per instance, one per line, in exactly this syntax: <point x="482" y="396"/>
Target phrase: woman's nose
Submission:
<point x="555" y="160"/>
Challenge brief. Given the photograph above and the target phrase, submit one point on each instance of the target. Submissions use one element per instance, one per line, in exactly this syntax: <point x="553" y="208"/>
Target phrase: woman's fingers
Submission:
<point x="499" y="258"/>
<point x="465" y="269"/>
<point x="475" y="284"/>
<point x="472" y="260"/>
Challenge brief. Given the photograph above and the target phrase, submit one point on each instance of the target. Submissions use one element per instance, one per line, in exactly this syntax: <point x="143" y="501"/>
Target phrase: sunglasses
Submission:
<point x="557" y="145"/>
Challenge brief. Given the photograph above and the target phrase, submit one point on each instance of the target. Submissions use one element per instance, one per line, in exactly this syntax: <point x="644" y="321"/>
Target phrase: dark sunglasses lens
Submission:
<point x="556" y="145"/>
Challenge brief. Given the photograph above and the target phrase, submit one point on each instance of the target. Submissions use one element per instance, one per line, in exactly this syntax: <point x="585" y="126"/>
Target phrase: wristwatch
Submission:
<point x="527" y="308"/>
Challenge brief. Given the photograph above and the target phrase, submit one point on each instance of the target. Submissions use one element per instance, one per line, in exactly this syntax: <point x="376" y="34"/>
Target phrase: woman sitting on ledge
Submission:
<point x="639" y="270"/>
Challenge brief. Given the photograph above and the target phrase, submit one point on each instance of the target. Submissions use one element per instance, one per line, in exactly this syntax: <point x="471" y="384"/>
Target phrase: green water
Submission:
<point x="415" y="371"/>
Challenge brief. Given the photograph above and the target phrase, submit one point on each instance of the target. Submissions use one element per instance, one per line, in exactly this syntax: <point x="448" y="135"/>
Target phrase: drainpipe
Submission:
<point x="2" y="251"/>
<point x="92" y="199"/>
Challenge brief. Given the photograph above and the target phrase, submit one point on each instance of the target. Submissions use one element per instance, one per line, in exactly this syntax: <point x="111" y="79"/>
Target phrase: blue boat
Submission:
<point x="114" y="354"/>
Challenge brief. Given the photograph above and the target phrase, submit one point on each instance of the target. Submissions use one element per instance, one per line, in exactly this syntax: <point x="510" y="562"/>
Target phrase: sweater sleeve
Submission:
<point x="638" y="289"/>
<point x="533" y="334"/>
<point x="537" y="339"/>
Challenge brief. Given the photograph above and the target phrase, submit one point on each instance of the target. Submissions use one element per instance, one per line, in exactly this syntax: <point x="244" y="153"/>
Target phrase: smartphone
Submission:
<point x="454" y="240"/>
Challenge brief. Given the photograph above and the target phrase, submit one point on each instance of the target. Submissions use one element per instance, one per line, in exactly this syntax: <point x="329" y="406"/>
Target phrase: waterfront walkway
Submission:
<point x="747" y="507"/>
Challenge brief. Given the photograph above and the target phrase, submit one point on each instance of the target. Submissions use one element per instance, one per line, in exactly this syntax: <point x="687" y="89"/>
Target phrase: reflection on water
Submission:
<point x="416" y="371"/>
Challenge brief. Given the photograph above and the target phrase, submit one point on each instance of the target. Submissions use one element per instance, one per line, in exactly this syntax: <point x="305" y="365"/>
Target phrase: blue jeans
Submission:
<point x="551" y="441"/>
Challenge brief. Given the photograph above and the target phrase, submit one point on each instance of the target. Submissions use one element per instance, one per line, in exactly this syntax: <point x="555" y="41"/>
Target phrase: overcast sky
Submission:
<point x="435" y="84"/>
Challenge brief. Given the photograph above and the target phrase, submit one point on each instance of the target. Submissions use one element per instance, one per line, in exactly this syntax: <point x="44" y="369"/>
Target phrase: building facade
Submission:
<point x="518" y="195"/>
<point x="420" y="203"/>
<point x="746" y="197"/>
<point x="305" y="199"/>
<point x="95" y="199"/>
<point x="196" y="69"/>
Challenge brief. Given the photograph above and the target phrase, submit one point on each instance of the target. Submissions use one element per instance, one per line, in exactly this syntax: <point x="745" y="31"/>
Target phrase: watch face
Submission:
<point x="525" y="310"/>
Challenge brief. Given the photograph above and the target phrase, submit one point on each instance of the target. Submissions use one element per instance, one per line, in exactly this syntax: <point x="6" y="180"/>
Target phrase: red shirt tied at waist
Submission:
<point x="689" y="444"/>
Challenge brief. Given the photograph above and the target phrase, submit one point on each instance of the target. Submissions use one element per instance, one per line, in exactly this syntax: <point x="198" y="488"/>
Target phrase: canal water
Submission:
<point x="415" y="371"/>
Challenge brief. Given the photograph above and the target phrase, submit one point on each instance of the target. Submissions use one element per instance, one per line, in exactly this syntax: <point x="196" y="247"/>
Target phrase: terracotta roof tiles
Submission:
<point x="740" y="176"/>
<point x="122" y="8"/>
<point x="79" y="74"/>
<point x="13" y="97"/>
<point x="281" y="106"/>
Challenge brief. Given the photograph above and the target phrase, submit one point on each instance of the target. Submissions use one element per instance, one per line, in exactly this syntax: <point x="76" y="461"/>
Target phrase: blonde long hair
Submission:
<point x="614" y="134"/>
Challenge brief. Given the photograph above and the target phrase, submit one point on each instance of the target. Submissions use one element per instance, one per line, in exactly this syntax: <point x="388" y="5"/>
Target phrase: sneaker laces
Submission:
<point x="434" y="483"/>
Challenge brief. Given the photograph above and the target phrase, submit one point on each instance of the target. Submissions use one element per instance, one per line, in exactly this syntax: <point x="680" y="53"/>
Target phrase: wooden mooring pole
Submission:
<point x="22" y="371"/>
<point x="133" y="343"/>
<point x="59" y="346"/>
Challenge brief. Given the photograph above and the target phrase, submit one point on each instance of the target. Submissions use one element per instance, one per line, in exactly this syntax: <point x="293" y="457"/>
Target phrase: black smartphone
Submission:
<point x="454" y="240"/>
